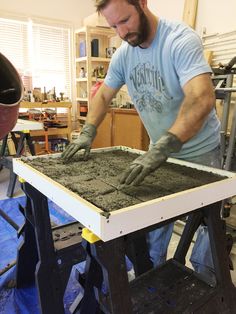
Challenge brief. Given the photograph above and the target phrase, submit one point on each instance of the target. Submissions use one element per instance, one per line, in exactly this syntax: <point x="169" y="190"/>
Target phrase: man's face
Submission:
<point x="130" y="22"/>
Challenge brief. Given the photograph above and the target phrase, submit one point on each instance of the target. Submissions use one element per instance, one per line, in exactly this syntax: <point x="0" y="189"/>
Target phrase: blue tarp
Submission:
<point x="25" y="301"/>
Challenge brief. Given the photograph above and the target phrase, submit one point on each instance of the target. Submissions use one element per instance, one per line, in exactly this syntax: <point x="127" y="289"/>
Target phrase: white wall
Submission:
<point x="170" y="9"/>
<point x="216" y="16"/>
<point x="67" y="10"/>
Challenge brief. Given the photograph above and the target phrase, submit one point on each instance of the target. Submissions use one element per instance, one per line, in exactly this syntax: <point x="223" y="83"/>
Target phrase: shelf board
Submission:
<point x="51" y="131"/>
<point x="98" y="79"/>
<point x="98" y="30"/>
<point x="81" y="59"/>
<point x="100" y="59"/>
<point x="81" y="79"/>
<point x="82" y="99"/>
<point x="94" y="79"/>
<point x="93" y="59"/>
<point x="61" y="104"/>
<point x="82" y="118"/>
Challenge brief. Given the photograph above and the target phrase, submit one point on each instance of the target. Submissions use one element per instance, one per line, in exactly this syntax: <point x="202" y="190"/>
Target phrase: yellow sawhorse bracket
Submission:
<point x="89" y="236"/>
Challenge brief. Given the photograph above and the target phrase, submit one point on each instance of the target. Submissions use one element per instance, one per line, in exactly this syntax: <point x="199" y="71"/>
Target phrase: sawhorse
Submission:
<point x="5" y="161"/>
<point x="45" y="256"/>
<point x="171" y="288"/>
<point x="20" y="136"/>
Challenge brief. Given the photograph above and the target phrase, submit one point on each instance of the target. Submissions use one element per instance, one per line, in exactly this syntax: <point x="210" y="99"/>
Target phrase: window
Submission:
<point x="14" y="43"/>
<point x="40" y="52"/>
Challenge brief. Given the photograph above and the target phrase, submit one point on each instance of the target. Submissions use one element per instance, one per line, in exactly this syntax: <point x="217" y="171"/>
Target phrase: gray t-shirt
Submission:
<point x="155" y="77"/>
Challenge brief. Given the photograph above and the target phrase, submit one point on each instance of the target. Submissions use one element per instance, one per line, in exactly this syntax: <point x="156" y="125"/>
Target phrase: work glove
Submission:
<point x="148" y="162"/>
<point x="84" y="141"/>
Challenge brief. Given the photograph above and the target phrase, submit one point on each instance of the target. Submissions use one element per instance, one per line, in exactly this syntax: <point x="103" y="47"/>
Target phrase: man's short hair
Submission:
<point x="101" y="4"/>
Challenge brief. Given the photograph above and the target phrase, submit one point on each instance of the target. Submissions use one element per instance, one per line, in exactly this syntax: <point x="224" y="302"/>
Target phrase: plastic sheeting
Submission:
<point x="25" y="301"/>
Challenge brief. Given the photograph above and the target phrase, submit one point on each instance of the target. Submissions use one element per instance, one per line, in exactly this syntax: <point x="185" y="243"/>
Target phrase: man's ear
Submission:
<point x="143" y="3"/>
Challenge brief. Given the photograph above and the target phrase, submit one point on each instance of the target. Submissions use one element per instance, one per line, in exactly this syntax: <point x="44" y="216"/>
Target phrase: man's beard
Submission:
<point x="137" y="38"/>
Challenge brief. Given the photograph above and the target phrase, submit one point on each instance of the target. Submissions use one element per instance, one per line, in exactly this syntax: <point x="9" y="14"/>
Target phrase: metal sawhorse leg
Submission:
<point x="6" y="161"/>
<point x="223" y="90"/>
<point x="223" y="82"/>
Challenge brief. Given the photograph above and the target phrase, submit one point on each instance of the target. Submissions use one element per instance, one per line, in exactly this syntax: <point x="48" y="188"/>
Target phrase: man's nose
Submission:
<point x="122" y="31"/>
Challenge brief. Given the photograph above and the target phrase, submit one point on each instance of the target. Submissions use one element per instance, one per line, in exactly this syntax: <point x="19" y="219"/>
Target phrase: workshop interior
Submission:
<point x="73" y="240"/>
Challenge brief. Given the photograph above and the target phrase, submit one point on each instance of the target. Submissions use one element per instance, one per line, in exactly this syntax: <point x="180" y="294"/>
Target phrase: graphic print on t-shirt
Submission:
<point x="149" y="92"/>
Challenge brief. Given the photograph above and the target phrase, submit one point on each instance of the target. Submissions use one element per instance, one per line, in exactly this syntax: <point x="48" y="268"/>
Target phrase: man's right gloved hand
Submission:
<point x="84" y="141"/>
<point x="151" y="160"/>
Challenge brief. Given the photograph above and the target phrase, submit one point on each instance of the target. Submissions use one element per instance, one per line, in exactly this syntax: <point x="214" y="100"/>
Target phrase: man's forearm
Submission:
<point x="198" y="102"/>
<point x="96" y="113"/>
<point x="100" y="105"/>
<point x="190" y="119"/>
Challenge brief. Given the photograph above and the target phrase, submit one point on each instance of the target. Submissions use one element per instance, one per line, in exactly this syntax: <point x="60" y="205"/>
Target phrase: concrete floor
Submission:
<point x="4" y="180"/>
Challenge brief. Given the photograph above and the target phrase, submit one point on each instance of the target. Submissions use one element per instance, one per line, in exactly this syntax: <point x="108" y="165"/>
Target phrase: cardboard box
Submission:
<point x="40" y="147"/>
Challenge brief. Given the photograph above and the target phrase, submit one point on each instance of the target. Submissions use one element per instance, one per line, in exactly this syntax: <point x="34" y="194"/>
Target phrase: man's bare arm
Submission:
<point x="97" y="111"/>
<point x="100" y="104"/>
<point x="197" y="104"/>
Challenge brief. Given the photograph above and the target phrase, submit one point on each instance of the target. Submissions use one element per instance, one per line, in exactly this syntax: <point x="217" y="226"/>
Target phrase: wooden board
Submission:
<point x="190" y="12"/>
<point x="208" y="56"/>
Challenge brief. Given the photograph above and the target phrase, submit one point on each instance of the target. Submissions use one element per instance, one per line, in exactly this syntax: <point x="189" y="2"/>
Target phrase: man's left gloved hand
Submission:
<point x="148" y="162"/>
<point x="84" y="141"/>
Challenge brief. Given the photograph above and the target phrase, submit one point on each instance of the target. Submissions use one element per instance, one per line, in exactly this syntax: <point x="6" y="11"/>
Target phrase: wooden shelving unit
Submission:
<point x="85" y="59"/>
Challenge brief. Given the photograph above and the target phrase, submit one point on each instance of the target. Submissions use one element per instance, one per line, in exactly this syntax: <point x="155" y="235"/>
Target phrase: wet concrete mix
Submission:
<point x="97" y="179"/>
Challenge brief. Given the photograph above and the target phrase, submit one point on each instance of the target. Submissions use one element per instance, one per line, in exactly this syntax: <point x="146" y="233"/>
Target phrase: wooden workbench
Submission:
<point x="51" y="131"/>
